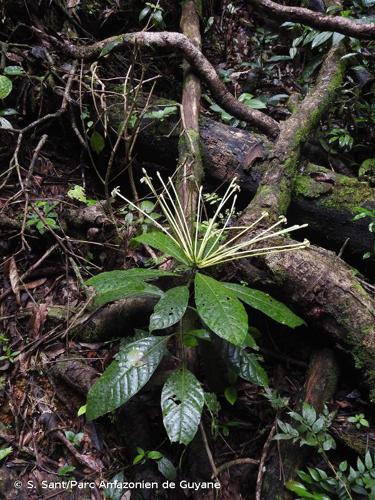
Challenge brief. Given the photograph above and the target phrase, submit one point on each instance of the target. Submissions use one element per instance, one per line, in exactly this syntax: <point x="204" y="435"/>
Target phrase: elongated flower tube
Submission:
<point x="214" y="241"/>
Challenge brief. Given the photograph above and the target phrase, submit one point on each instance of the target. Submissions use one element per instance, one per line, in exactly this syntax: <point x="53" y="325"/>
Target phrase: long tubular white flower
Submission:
<point x="231" y="189"/>
<point x="177" y="225"/>
<point x="173" y="223"/>
<point x="245" y="229"/>
<point x="178" y="210"/>
<point x="255" y="253"/>
<point x="208" y="251"/>
<point x="237" y="248"/>
<point x="221" y="231"/>
<point x="198" y="219"/>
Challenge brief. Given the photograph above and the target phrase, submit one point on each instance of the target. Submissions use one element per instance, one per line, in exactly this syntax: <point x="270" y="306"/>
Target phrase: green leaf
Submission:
<point x="154" y="455"/>
<point x="124" y="290"/>
<point x="120" y="284"/>
<point x="14" y="71"/>
<point x="212" y="403"/>
<point x="126" y="375"/>
<point x="105" y="281"/>
<point x="144" y="12"/>
<point x="77" y="193"/>
<point x="251" y="102"/>
<point x="162" y="114"/>
<point x="266" y="304"/>
<point x="4" y="123"/>
<point x="110" y="46"/>
<point x="5" y="87"/>
<point x="302" y="491"/>
<point x="244" y="363"/>
<point x="278" y="58"/>
<point x="112" y="492"/>
<point x="231" y="395"/>
<point x="167" y="469"/>
<point x="97" y="142"/>
<point x="81" y="410"/>
<point x="321" y="38"/>
<point x="182" y="400"/>
<point x="164" y="243"/>
<point x="170" y="308"/>
<point x="190" y="338"/>
<point x="8" y="112"/>
<point x="337" y="38"/>
<point x="220" y="310"/>
<point x="368" y="461"/>
<point x="4" y="452"/>
<point x="65" y="470"/>
<point x="308" y="413"/>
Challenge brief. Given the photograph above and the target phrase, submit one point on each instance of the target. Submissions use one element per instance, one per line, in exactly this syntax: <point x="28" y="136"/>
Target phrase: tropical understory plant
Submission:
<point x="221" y="317"/>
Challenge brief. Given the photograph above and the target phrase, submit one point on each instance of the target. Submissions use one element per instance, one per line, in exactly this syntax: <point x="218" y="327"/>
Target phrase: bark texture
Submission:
<point x="323" y="199"/>
<point x="275" y="189"/>
<point x="350" y="27"/>
<point x="190" y="168"/>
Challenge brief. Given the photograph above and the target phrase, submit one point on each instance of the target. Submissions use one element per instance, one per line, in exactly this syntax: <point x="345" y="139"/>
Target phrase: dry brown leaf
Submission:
<point x="39" y="317"/>
<point x="33" y="284"/>
<point x="14" y="279"/>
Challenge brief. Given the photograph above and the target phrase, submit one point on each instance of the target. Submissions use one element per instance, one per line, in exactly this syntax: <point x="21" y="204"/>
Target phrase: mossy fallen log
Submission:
<point x="325" y="200"/>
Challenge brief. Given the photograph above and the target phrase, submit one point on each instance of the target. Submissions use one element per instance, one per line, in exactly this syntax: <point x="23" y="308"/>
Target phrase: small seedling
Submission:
<point x="66" y="470"/>
<point x="359" y="421"/>
<point x="75" y="439"/>
<point x="49" y="216"/>
<point x="165" y="466"/>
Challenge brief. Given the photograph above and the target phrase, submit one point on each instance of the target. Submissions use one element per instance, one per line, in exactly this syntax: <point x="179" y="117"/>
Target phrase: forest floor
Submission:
<point x="57" y="231"/>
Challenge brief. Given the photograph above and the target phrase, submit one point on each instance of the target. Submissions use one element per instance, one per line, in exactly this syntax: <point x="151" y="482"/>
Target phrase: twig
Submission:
<point x="262" y="468"/>
<point x="238" y="461"/>
<point x="209" y="453"/>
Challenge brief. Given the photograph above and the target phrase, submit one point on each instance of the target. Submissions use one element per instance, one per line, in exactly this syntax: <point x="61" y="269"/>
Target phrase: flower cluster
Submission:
<point x="208" y="242"/>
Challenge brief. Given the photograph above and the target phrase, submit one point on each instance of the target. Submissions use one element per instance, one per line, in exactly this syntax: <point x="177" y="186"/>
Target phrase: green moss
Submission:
<point x="342" y="193"/>
<point x="347" y="195"/>
<point x="307" y="187"/>
<point x="367" y="171"/>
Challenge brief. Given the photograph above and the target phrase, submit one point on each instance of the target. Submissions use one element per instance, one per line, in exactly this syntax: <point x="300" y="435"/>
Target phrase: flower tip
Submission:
<point x="115" y="191"/>
<point x="306" y="242"/>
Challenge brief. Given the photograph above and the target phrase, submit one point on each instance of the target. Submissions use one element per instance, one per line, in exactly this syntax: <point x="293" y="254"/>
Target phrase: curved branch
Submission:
<point x="316" y="20"/>
<point x="194" y="57"/>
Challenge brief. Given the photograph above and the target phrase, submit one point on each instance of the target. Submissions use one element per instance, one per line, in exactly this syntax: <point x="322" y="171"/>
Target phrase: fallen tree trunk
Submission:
<point x="323" y="199"/>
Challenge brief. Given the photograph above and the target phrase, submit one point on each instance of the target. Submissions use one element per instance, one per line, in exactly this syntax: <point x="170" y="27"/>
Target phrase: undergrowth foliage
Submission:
<point x="219" y="307"/>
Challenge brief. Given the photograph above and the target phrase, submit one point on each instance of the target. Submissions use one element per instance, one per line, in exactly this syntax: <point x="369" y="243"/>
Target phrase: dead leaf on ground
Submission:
<point x="14" y="279"/>
<point x="39" y="317"/>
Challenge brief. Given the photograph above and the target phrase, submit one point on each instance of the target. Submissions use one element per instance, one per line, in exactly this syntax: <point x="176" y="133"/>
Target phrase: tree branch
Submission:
<point x="316" y="20"/>
<point x="193" y="56"/>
